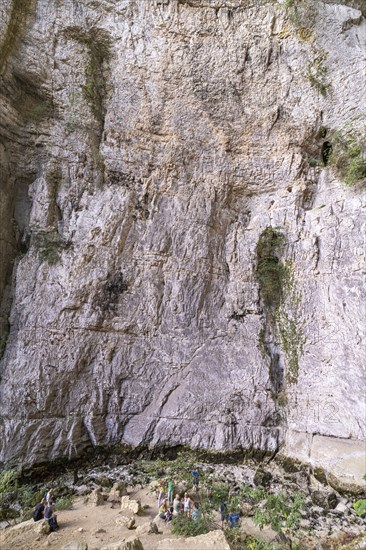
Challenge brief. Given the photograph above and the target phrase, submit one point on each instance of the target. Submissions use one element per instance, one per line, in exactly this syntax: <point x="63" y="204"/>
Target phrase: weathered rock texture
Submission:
<point x="145" y="147"/>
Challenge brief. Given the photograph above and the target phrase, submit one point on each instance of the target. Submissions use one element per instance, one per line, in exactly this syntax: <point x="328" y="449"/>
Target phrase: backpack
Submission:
<point x="37" y="514"/>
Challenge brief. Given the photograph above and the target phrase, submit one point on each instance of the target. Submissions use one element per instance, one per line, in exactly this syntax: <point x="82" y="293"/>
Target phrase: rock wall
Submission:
<point x="146" y="148"/>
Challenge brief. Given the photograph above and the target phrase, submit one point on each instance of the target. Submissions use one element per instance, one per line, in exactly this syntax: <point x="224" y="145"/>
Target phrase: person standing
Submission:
<point x="170" y="491"/>
<point x="187" y="505"/>
<point x="177" y="506"/>
<point x="161" y="496"/>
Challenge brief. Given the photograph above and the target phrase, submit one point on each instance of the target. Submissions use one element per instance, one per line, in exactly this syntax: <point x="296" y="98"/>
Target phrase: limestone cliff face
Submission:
<point x="146" y="148"/>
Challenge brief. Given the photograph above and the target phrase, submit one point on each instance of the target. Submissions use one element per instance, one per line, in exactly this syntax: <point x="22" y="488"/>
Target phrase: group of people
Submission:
<point x="45" y="510"/>
<point x="168" y="508"/>
<point x="186" y="506"/>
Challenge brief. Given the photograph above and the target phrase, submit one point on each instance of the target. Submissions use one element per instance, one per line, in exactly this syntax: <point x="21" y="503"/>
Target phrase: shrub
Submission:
<point x="347" y="157"/>
<point x="234" y="538"/>
<point x="279" y="509"/>
<point x="220" y="493"/>
<point x="360" y="507"/>
<point x="64" y="503"/>
<point x="253" y="495"/>
<point x="187" y="527"/>
<point x="9" y="480"/>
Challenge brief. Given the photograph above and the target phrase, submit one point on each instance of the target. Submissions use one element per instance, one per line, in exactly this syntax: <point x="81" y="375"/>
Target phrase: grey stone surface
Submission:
<point x="145" y="146"/>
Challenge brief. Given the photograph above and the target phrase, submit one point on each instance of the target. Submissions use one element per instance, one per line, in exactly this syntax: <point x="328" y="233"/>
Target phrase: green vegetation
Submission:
<point x="9" y="481"/>
<point x="49" y="245"/>
<point x="279" y="510"/>
<point x="288" y="324"/>
<point x="270" y="270"/>
<point x="94" y="87"/>
<point x="11" y="490"/>
<point x="64" y="503"/>
<point x="37" y="113"/>
<point x="278" y="289"/>
<point x="187" y="527"/>
<point x="360" y="507"/>
<point x="240" y="541"/>
<point x="348" y="156"/>
<point x="317" y="73"/>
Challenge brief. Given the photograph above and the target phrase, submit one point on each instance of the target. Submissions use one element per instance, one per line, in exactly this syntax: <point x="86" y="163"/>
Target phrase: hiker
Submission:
<point x="234" y="520"/>
<point x="161" y="496"/>
<point x="223" y="512"/>
<point x="163" y="509"/>
<point x="49" y="496"/>
<point x="170" y="491"/>
<point x="169" y="514"/>
<point x="187" y="505"/>
<point x="177" y="506"/>
<point x="39" y="510"/>
<point x="196" y="512"/>
<point x="50" y="516"/>
<point x="196" y="476"/>
<point x="209" y="493"/>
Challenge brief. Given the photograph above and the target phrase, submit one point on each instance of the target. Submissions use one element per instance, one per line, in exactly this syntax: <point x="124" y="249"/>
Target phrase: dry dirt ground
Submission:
<point x="90" y="519"/>
<point x="84" y="520"/>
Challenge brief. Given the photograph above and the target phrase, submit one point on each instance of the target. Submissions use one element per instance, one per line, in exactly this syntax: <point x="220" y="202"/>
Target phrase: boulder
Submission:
<point x="129" y="544"/>
<point x="75" y="545"/>
<point x="342" y="508"/>
<point x="262" y="477"/>
<point x="247" y="509"/>
<point x="154" y="486"/>
<point x="129" y="504"/>
<point x="125" y="521"/>
<point x="147" y="529"/>
<point x="16" y="530"/>
<point x="42" y="527"/>
<point x="215" y="540"/>
<point x="324" y="499"/>
<point x="118" y="490"/>
<point x="96" y="497"/>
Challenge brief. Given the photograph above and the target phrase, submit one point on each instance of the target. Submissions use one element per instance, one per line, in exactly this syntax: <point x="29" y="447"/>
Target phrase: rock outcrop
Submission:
<point x="181" y="256"/>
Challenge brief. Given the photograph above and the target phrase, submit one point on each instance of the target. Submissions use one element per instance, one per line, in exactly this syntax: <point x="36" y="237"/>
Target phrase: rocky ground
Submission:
<point x="111" y="505"/>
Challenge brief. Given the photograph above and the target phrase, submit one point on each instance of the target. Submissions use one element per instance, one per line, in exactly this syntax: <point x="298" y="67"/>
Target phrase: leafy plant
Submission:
<point x="254" y="543"/>
<point x="9" y="480"/>
<point x="279" y="509"/>
<point x="64" y="503"/>
<point x="253" y="495"/>
<point x="234" y="538"/>
<point x="220" y="493"/>
<point x="187" y="527"/>
<point x="360" y="507"/>
<point x="347" y="156"/>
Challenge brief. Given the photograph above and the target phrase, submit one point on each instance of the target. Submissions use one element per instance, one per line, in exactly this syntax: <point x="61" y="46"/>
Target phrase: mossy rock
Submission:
<point x="344" y="487"/>
<point x="262" y="478"/>
<point x="289" y="464"/>
<point x="320" y="475"/>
